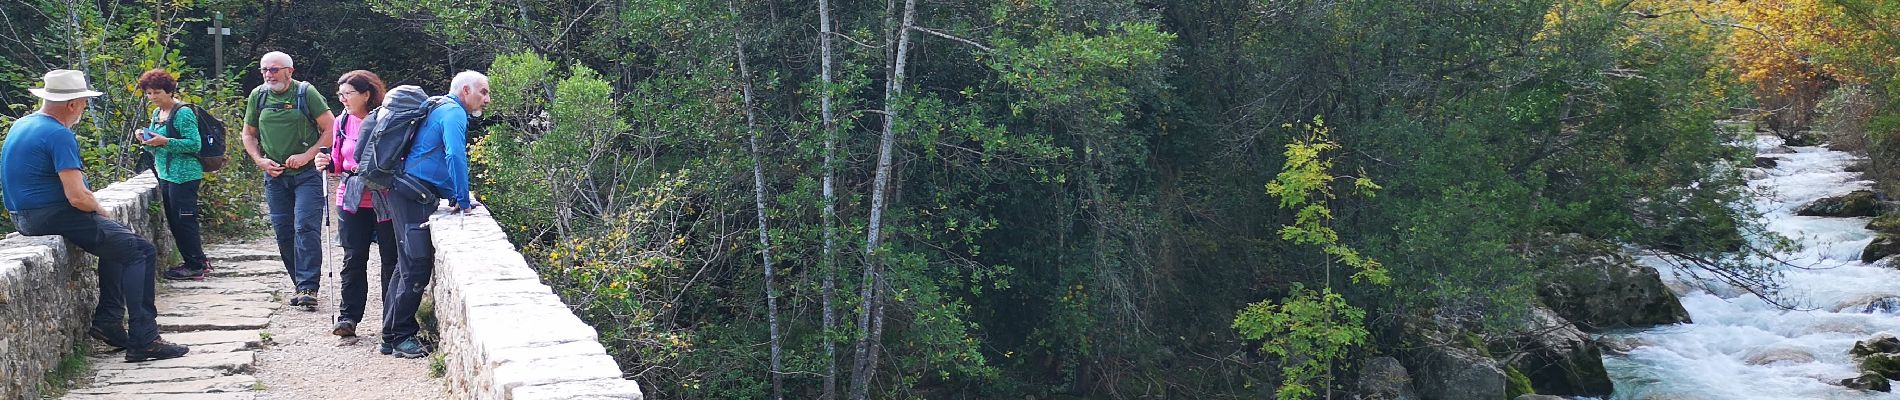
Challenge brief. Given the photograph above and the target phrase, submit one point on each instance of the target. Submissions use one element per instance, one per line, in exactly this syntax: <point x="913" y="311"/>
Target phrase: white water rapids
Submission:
<point x="1740" y="347"/>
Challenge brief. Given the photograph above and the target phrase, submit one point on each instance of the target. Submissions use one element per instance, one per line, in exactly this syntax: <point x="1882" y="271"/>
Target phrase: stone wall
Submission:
<point x="49" y="287"/>
<point x="504" y="334"/>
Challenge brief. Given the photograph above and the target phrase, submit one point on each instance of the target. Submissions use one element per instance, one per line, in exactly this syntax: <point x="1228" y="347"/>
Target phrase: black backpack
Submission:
<point x="388" y="133"/>
<point x="210" y="134"/>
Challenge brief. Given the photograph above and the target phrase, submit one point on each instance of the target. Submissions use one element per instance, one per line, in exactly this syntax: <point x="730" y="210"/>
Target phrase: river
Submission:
<point x="1739" y="346"/>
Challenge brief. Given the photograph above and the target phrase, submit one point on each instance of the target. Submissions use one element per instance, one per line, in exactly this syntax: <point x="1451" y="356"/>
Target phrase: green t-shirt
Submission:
<point x="282" y="129"/>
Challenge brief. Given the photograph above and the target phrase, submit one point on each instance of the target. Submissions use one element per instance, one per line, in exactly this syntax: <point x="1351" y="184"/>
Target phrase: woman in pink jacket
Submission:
<point x="360" y="91"/>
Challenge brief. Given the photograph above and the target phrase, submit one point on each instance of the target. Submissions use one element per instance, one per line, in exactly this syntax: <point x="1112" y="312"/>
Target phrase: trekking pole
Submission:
<point x="323" y="249"/>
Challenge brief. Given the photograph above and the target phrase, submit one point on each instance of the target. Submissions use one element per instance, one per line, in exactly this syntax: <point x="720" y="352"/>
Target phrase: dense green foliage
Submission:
<point x="1084" y="197"/>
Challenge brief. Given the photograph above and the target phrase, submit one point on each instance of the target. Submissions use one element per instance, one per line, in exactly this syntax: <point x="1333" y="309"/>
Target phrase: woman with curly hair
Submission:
<point x="173" y="140"/>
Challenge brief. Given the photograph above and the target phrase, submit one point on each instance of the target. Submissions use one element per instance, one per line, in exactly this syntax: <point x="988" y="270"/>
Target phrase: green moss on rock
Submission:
<point x="1516" y="384"/>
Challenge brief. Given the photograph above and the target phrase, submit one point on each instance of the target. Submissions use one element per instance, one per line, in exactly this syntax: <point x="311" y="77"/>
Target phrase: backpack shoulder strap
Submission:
<point x="257" y="100"/>
<point x="204" y="117"/>
<point x="433" y="103"/>
<point x="303" y="93"/>
<point x="171" y="124"/>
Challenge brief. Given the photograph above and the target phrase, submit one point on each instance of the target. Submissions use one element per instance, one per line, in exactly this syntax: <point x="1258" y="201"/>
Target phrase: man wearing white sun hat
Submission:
<point x="46" y="194"/>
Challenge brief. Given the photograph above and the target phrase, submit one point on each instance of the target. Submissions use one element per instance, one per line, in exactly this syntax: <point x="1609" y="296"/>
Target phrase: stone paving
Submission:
<point x="247" y="345"/>
<point x="221" y="318"/>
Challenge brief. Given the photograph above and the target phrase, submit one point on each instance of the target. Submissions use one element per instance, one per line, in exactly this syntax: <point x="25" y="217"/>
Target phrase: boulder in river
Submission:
<point x="1868" y="381"/>
<point x="1383" y="378"/>
<point x="1883" y="245"/>
<point x="1774" y="355"/>
<point x="1800" y="138"/>
<point x="1883" y="305"/>
<point x="1619" y="345"/>
<point x="1887" y="365"/>
<point x="1537" y="397"/>
<point x="1766" y="162"/>
<point x="1880" y="344"/>
<point x="1597" y="287"/>
<point x="1859" y="203"/>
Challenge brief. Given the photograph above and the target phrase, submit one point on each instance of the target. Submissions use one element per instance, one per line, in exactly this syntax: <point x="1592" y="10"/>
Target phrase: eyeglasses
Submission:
<point x="271" y="70"/>
<point x="346" y="93"/>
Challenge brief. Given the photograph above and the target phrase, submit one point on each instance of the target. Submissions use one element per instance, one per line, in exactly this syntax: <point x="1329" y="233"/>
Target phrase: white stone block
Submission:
<point x="544" y="371"/>
<point x="606" y="389"/>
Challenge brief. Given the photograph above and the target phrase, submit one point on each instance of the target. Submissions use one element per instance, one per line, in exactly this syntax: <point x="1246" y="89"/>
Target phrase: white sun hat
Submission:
<point x="63" y="85"/>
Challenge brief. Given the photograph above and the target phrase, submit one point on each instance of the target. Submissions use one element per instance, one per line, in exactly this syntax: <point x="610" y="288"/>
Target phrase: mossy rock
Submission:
<point x="1556" y="358"/>
<point x="1447" y="367"/>
<point x="1516" y="384"/>
<point x="1885" y="223"/>
<point x="1887" y="365"/>
<point x="1868" y="381"/>
<point x="1610" y="291"/>
<point x="1883" y="245"/>
<point x="1860" y="203"/>
<point x="1883" y="344"/>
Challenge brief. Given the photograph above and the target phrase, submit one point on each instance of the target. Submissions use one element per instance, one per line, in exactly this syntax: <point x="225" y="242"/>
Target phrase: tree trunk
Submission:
<point x="828" y="261"/>
<point x="867" y="348"/>
<point x="758" y="200"/>
<point x="85" y="65"/>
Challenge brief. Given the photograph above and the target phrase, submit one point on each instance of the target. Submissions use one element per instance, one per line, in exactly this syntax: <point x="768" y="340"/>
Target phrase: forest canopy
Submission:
<point x="1000" y="199"/>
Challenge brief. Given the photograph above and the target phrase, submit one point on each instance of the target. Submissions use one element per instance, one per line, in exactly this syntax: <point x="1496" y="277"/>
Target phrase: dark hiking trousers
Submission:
<point x="181" y="216"/>
<point x="127" y="267"/>
<point x="409" y="211"/>
<point x="296" y="216"/>
<point x="354" y="233"/>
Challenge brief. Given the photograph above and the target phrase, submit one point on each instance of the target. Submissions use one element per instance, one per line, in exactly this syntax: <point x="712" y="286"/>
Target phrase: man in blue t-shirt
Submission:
<point x="47" y="195"/>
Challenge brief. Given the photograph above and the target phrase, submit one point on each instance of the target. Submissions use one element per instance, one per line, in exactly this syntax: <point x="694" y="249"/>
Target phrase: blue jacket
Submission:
<point x="439" y="154"/>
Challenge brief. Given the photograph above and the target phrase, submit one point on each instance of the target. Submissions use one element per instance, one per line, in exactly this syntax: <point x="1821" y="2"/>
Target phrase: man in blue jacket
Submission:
<point x="437" y="167"/>
<point x="46" y="192"/>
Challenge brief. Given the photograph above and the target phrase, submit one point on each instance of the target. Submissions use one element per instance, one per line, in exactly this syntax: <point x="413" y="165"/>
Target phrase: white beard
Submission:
<point x="476" y="114"/>
<point x="277" y="86"/>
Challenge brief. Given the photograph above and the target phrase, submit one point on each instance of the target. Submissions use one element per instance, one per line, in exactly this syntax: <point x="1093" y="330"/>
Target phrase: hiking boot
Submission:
<point x="410" y="348"/>
<point x="187" y="273"/>
<point x="114" y="340"/>
<point x="385" y="348"/>
<point x="344" y="327"/>
<point x="159" y="349"/>
<point x="306" y="298"/>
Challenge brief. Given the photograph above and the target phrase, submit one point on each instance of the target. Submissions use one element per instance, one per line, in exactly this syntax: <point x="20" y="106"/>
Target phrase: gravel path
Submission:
<point x="305" y="361"/>
<point x="246" y="344"/>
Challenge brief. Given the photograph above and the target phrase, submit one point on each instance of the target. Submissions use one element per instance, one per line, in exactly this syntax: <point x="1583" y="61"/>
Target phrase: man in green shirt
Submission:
<point x="285" y="122"/>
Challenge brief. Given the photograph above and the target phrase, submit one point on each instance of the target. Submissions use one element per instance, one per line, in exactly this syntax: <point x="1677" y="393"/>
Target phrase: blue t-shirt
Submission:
<point x="37" y="148"/>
